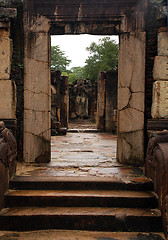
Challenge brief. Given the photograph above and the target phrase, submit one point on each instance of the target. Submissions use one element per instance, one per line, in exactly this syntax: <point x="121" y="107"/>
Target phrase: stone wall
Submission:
<point x="17" y="72"/>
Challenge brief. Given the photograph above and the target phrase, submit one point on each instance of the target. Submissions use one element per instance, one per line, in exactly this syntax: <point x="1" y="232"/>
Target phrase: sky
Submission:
<point x="74" y="46"/>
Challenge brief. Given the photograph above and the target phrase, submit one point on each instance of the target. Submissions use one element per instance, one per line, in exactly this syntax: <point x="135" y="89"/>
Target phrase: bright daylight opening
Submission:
<point x="84" y="81"/>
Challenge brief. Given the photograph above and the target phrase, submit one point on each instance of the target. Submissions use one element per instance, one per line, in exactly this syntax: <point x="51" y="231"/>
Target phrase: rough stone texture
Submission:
<point x="37" y="98"/>
<point x="80" y="235"/>
<point x="64" y="102"/>
<point x="111" y="101"/>
<point x="151" y="52"/>
<point x="5" y="57"/>
<point x="160" y="70"/>
<point x="17" y="73"/>
<point x="101" y="100"/>
<point x="7" y="99"/>
<point x="83" y="17"/>
<point x="131" y="98"/>
<point x="4" y="181"/>
<point x="156" y="168"/>
<point x="160" y="99"/>
<point x="163" y="44"/>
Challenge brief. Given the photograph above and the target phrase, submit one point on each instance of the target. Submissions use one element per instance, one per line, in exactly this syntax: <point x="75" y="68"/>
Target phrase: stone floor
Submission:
<point x="83" y="155"/>
<point x="78" y="235"/>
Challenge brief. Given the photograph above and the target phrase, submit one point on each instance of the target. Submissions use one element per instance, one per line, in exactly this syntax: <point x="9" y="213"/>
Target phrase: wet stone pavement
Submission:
<point x="83" y="155"/>
<point x="78" y="235"/>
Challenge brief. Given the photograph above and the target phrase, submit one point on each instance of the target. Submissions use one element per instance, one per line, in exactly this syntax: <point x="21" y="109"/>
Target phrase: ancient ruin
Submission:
<point x="132" y="102"/>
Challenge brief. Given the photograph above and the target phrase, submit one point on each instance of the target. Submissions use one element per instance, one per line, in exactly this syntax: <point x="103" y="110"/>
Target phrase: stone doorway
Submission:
<point x="126" y="19"/>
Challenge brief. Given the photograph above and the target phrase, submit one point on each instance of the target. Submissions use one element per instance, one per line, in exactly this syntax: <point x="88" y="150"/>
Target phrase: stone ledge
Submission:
<point x="157" y="124"/>
<point x="8" y="12"/>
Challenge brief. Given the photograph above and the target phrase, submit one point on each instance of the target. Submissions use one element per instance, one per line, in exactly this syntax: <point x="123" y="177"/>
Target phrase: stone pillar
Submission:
<point x="111" y="100"/>
<point x="7" y="86"/>
<point x="131" y="88"/>
<point x="101" y="101"/>
<point x="91" y="101"/>
<point x="64" y="102"/>
<point x="37" y="94"/>
<point x="160" y="76"/>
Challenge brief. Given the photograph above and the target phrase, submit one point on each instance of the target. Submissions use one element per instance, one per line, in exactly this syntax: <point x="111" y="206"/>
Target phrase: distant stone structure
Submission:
<point x="107" y="101"/>
<point x="59" y="103"/>
<point x="82" y="99"/>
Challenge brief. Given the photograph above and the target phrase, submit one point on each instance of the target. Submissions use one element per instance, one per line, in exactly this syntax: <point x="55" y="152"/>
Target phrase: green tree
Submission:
<point x="103" y="57"/>
<point x="59" y="62"/>
<point x="75" y="74"/>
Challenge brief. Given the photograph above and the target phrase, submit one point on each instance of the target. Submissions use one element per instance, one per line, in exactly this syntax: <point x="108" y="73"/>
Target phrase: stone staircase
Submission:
<point x="94" y="204"/>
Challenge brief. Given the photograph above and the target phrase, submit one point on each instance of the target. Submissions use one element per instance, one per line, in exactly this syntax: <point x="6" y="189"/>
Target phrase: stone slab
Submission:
<point x="160" y="70"/>
<point x="80" y="235"/>
<point x="160" y="100"/>
<point x="5" y="57"/>
<point x="163" y="44"/>
<point x="7" y="99"/>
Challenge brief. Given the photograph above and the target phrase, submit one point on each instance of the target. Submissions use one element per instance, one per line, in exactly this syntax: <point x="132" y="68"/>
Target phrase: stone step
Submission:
<point x="80" y="183"/>
<point x="81" y="218"/>
<point x="80" y="198"/>
<point x="80" y="235"/>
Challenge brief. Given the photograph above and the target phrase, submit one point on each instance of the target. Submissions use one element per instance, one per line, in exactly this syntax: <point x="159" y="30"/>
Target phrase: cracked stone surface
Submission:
<point x="83" y="155"/>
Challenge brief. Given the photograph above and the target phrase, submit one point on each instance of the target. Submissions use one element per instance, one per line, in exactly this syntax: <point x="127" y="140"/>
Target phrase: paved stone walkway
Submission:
<point x="78" y="235"/>
<point x="83" y="155"/>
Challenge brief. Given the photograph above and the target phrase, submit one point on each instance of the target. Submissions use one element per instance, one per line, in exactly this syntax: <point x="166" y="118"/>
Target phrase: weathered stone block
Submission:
<point x="36" y="102"/>
<point x="4" y="32"/>
<point x="7" y="99"/>
<point x="35" y="150"/>
<point x="35" y="70"/>
<point x="130" y="120"/>
<point x="131" y="84"/>
<point x="160" y="99"/>
<point x="162" y="44"/>
<point x="36" y="49"/>
<point x="5" y="57"/>
<point x="36" y="122"/>
<point x="160" y="70"/>
<point x="130" y="148"/>
<point x="132" y="61"/>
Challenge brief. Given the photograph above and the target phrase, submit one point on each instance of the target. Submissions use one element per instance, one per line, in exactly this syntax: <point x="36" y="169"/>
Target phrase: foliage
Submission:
<point x="74" y="74"/>
<point x="103" y="57"/>
<point x="59" y="62"/>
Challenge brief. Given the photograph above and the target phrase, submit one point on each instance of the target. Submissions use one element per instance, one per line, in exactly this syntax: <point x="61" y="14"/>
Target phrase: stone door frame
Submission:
<point x="130" y="26"/>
